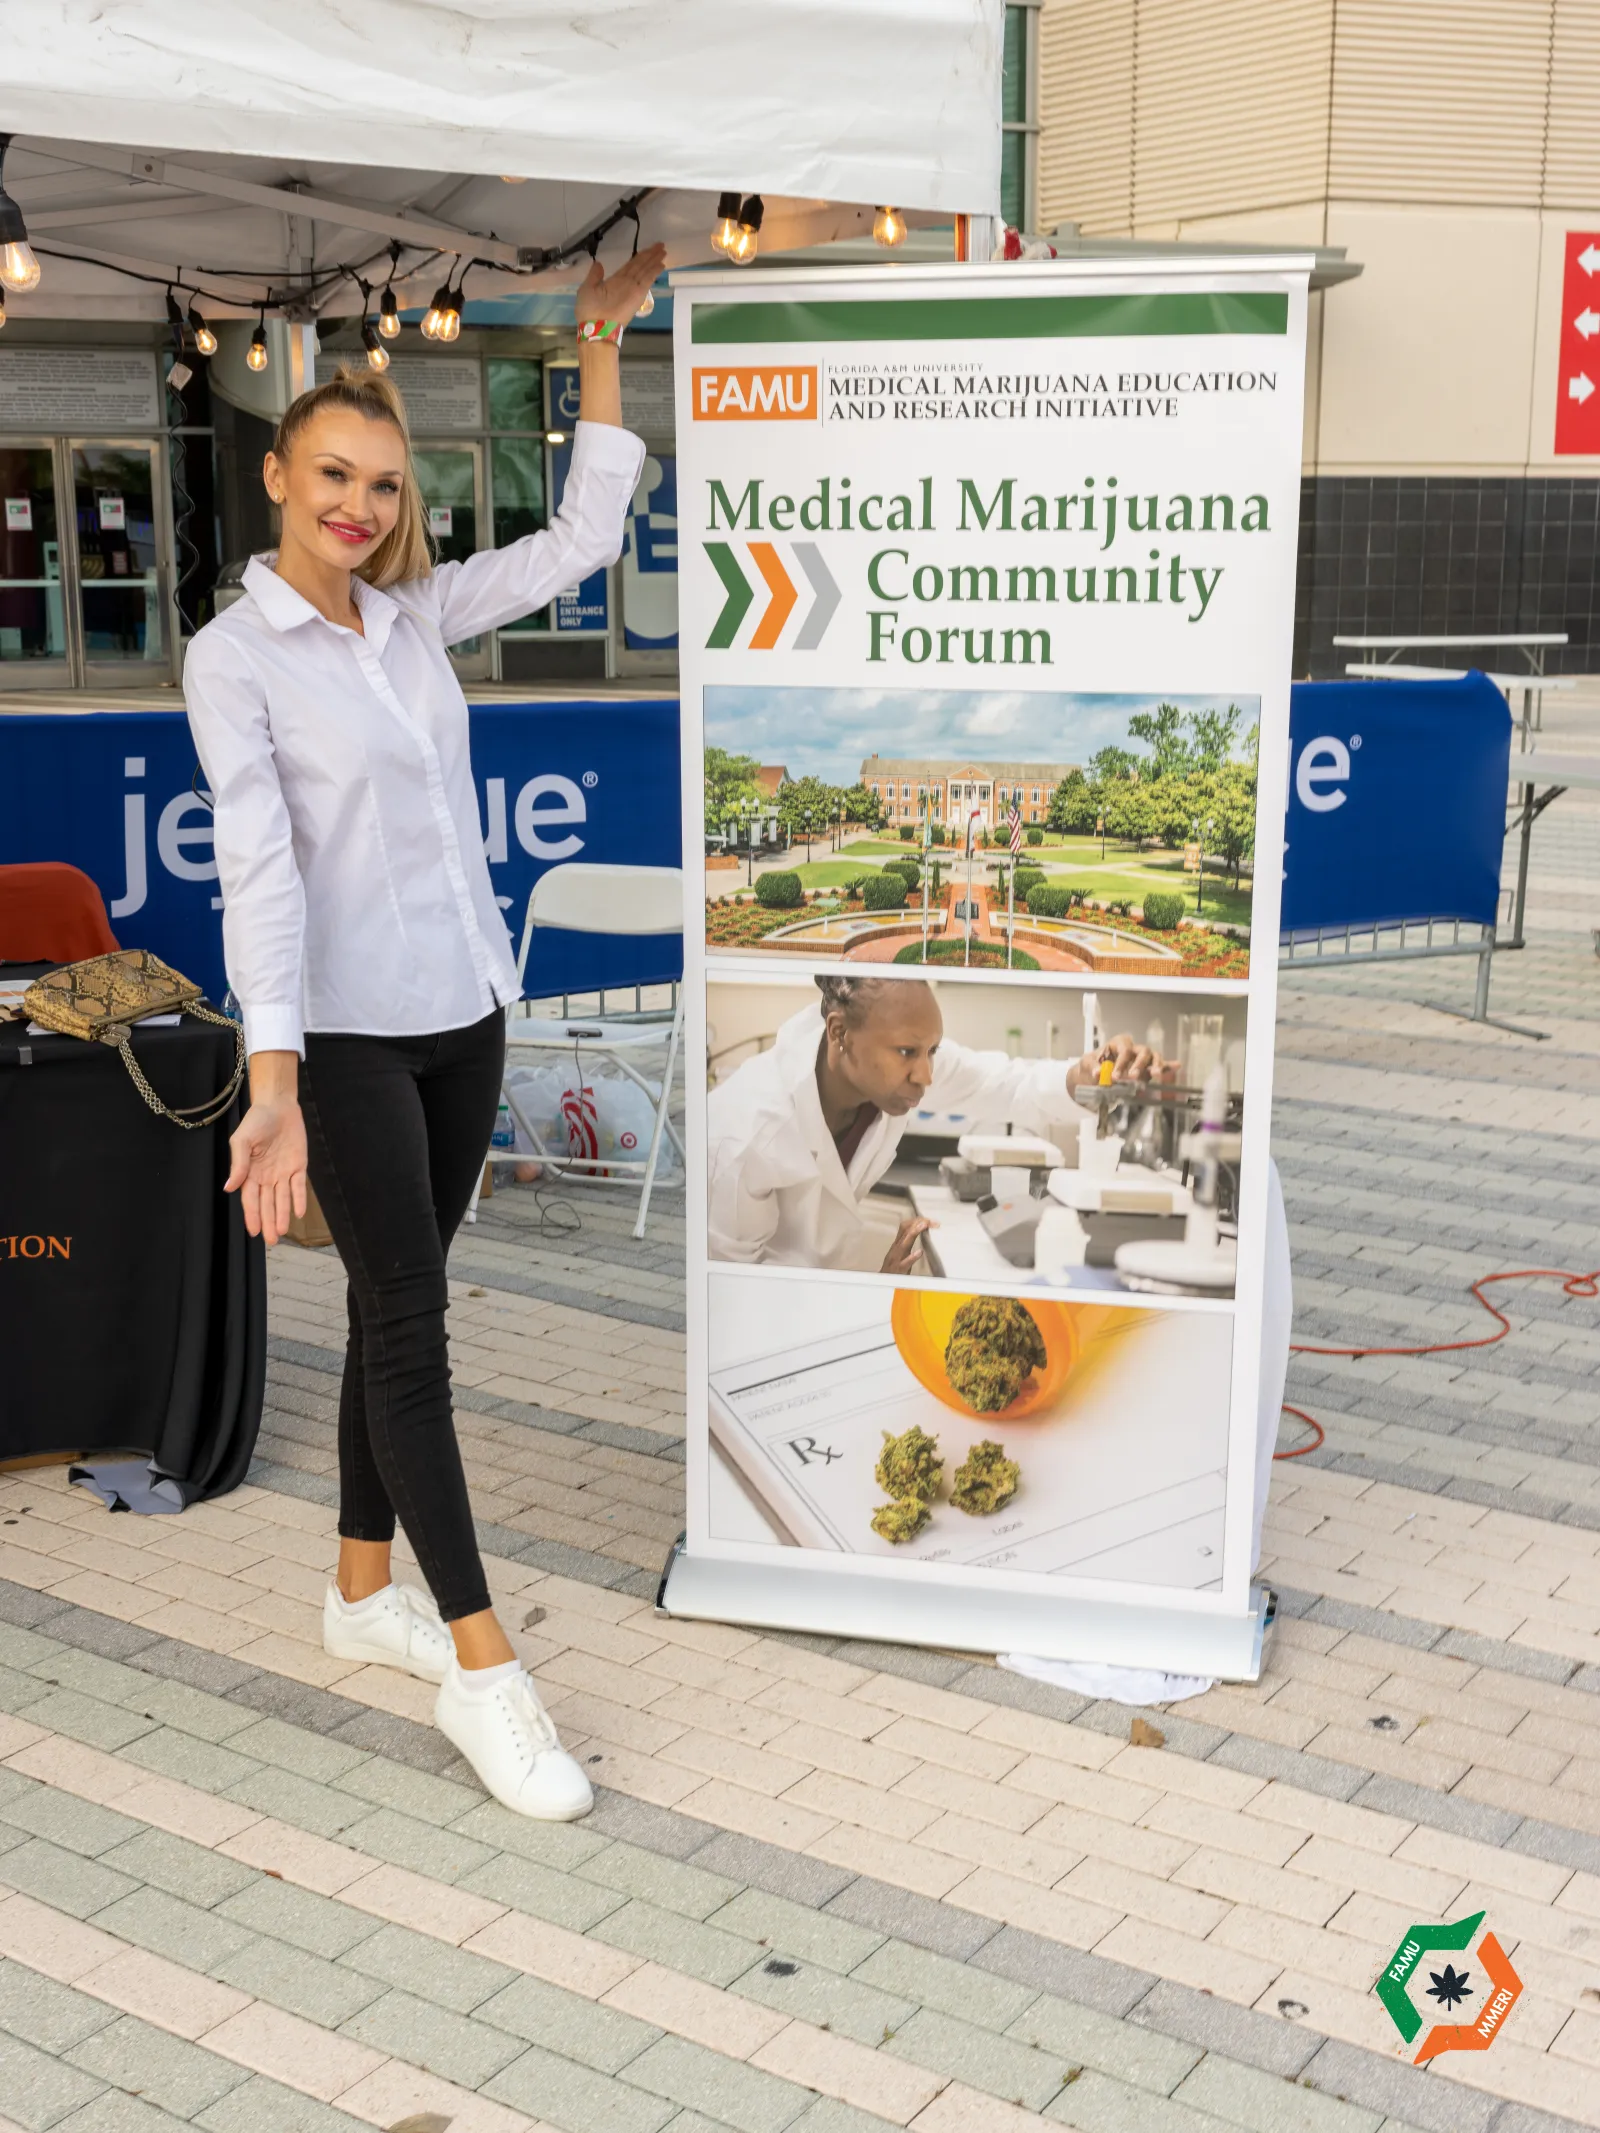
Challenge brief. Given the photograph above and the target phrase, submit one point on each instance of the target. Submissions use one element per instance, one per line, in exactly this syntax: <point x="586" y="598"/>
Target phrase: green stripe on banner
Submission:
<point x="997" y="318"/>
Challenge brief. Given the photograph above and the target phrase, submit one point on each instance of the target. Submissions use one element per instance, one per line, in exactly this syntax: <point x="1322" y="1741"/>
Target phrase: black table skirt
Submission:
<point x="133" y="1307"/>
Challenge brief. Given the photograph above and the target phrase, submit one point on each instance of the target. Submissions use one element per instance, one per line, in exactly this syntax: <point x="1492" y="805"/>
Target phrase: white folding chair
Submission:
<point x="600" y="899"/>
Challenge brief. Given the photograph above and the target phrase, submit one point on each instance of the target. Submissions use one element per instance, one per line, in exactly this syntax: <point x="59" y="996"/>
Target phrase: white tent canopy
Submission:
<point x="258" y="147"/>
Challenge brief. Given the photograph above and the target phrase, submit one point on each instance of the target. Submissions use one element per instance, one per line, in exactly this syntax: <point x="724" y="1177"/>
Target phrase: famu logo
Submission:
<point x="1480" y="1993"/>
<point x="765" y="392"/>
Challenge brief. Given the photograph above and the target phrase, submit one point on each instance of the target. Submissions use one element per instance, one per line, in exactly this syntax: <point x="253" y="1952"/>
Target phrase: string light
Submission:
<point x="746" y="244"/>
<point x="204" y="339"/>
<point x="726" y="234"/>
<point x="256" y="354"/>
<point x="388" y="309"/>
<point x="19" y="268"/>
<point x="377" y="354"/>
<point x="889" y="227"/>
<point x="450" y="315"/>
<point x="433" y="322"/>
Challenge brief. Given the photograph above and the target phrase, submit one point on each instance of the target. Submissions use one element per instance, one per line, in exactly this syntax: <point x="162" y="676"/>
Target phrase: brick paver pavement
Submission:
<point x="836" y="1887"/>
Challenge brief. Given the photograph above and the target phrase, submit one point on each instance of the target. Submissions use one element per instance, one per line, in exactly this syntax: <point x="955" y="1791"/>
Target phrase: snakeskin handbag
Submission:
<point x="101" y="999"/>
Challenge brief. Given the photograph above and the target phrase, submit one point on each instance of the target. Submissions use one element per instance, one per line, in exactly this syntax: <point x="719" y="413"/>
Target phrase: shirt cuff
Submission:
<point x="274" y="1029"/>
<point x="606" y="448"/>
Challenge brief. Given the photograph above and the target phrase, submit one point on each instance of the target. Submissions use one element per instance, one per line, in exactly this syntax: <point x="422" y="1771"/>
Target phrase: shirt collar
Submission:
<point x="285" y="609"/>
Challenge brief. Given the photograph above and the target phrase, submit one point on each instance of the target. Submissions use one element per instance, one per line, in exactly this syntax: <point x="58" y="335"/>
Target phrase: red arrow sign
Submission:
<point x="1578" y="380"/>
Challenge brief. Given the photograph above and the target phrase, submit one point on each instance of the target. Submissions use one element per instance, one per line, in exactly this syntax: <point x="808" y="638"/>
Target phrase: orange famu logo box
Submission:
<point x="775" y="392"/>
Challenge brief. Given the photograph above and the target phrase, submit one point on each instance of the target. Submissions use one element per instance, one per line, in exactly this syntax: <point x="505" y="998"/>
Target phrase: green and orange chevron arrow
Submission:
<point x="782" y="595"/>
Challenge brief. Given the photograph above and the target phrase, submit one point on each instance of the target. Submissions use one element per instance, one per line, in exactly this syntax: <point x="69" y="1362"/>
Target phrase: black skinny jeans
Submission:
<point x="398" y="1129"/>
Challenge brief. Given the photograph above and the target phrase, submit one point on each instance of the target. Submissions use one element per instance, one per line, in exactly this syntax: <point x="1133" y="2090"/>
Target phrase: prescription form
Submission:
<point x="1136" y="1448"/>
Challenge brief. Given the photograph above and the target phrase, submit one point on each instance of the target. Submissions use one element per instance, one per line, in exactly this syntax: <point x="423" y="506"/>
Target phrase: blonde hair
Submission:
<point x="404" y="552"/>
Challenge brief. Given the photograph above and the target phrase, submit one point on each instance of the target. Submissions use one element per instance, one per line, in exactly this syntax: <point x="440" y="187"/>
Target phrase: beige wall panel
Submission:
<point x="1572" y="149"/>
<point x="1440" y="101"/>
<point x="1417" y="373"/>
<point x="1295" y="228"/>
<point x="1542" y="399"/>
<point x="1086" y="115"/>
<point x="1231" y="106"/>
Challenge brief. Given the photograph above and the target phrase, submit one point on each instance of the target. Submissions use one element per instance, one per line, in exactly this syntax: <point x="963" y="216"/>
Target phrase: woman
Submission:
<point x="798" y="1136"/>
<point x="365" y="946"/>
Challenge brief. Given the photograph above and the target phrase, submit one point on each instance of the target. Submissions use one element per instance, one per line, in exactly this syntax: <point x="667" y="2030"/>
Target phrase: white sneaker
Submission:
<point x="506" y="1734"/>
<point x="396" y="1627"/>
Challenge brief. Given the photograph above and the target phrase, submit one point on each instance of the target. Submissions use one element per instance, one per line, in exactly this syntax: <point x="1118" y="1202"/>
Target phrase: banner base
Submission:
<point x="845" y="1602"/>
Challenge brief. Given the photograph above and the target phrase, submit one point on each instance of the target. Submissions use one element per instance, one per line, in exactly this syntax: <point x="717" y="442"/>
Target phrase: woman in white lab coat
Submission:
<point x="798" y="1136"/>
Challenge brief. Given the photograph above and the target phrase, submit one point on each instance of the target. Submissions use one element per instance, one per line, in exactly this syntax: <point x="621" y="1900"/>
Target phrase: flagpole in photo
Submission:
<point x="1015" y="822"/>
<point x="927" y="847"/>
<point x="972" y="839"/>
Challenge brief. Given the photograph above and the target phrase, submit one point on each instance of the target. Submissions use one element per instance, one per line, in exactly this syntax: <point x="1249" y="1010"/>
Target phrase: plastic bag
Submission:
<point x="604" y="1118"/>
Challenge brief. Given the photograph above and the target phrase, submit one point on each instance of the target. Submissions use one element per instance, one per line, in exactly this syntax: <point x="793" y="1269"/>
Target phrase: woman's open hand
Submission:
<point x="619" y="295"/>
<point x="269" y="1166"/>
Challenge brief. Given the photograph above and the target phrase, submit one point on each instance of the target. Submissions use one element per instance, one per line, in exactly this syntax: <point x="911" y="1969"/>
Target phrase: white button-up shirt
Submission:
<point x="356" y="893"/>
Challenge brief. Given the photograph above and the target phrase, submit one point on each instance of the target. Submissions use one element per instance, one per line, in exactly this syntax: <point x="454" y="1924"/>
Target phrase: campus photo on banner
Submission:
<point x="986" y="592"/>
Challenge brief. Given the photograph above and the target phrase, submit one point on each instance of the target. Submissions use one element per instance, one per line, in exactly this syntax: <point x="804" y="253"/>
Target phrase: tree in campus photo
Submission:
<point x="1189" y="777"/>
<point x="732" y="783"/>
<point x="799" y="797"/>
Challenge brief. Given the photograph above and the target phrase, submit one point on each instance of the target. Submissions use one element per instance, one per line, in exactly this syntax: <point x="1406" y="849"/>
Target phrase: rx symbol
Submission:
<point x="592" y="777"/>
<point x="809" y="1452"/>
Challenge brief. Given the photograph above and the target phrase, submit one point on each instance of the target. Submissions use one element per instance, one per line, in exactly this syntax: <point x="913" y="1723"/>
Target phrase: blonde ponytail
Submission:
<point x="404" y="552"/>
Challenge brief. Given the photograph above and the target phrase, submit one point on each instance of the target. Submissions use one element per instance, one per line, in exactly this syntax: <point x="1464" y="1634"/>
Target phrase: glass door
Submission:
<point x="451" y="479"/>
<point x="33" y="622"/>
<point x="120" y="572"/>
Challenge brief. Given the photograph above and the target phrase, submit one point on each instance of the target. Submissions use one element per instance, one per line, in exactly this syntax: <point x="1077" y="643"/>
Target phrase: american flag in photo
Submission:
<point x="1014" y="819"/>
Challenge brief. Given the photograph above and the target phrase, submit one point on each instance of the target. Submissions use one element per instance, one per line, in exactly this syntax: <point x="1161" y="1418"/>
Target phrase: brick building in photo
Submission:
<point x="955" y="788"/>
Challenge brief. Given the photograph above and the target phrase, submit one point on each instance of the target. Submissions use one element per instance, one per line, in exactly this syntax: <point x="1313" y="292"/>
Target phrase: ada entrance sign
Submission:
<point x="956" y="542"/>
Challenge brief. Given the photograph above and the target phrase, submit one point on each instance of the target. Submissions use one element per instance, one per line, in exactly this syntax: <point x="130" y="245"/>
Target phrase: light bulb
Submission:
<point x="748" y="240"/>
<point x="449" y="320"/>
<point x="2" y="307"/>
<point x="647" y="304"/>
<point x="377" y="354"/>
<point x="256" y="355"/>
<point x="19" y="270"/>
<point x="204" y="339"/>
<point x="725" y="235"/>
<point x="433" y="324"/>
<point x="889" y="226"/>
<point x="389" y="316"/>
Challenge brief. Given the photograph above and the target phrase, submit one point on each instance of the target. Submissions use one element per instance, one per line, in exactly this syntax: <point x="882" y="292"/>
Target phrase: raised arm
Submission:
<point x="501" y="585"/>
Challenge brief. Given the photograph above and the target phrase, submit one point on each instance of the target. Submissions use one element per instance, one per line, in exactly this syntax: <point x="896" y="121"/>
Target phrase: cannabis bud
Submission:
<point x="985" y="1480"/>
<point x="994" y="1345"/>
<point x="901" y="1521"/>
<point x="910" y="1465"/>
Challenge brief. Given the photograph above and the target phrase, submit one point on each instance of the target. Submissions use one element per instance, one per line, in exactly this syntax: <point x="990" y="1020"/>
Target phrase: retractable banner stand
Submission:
<point x="987" y="586"/>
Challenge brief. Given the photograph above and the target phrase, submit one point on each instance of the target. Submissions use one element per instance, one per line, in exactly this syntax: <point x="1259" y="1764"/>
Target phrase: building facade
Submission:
<point x="904" y="789"/>
<point x="1452" y="147"/>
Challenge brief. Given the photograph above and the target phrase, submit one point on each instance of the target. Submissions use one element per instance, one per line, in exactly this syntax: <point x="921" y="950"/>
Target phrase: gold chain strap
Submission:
<point x="217" y="1105"/>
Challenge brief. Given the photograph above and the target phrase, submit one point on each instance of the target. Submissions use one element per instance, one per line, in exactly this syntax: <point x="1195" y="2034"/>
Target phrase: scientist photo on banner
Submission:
<point x="802" y="1137"/>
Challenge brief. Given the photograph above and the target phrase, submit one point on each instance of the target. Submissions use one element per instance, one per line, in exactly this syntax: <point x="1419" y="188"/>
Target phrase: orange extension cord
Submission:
<point x="1571" y="1285"/>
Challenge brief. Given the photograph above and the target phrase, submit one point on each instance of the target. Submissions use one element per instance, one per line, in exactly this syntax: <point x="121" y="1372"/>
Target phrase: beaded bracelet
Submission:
<point x="600" y="329"/>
